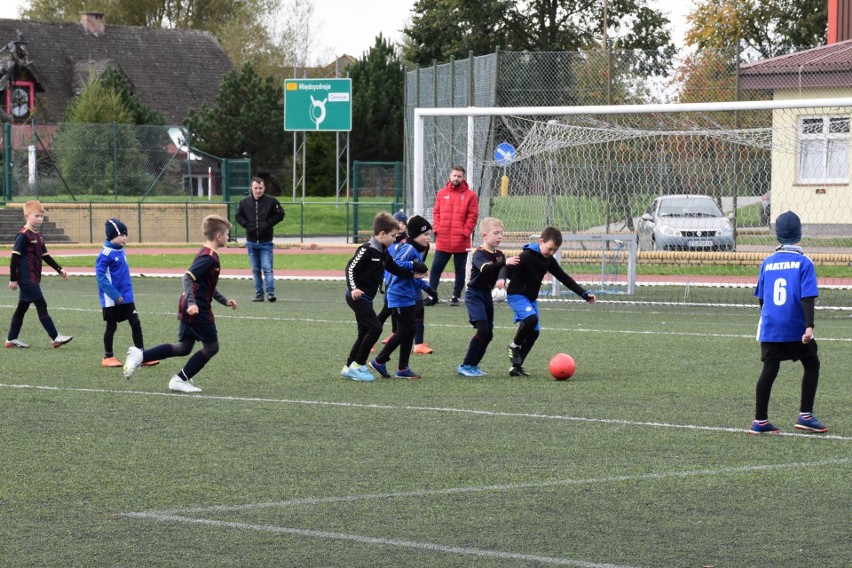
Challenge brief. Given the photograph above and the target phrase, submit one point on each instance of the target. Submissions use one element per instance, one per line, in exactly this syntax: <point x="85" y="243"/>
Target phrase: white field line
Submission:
<point x="432" y="409"/>
<point x="576" y="329"/>
<point x="178" y="515"/>
<point x="424" y="546"/>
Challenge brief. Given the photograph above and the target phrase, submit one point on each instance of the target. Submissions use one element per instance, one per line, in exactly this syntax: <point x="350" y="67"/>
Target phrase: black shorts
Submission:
<point x="29" y="292"/>
<point x="787" y="350"/>
<point x="204" y="332"/>
<point x="119" y="312"/>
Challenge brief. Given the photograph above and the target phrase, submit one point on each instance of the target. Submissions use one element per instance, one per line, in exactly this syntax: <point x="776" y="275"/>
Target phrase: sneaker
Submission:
<point x="361" y="373"/>
<point x="811" y="424"/>
<point x="386" y="339"/>
<point x="344" y="372"/>
<point x="132" y="362"/>
<point x="407" y="373"/>
<point x="515" y="356"/>
<point x="430" y="301"/>
<point x="258" y="297"/>
<point x="271" y="297"/>
<point x="179" y="385"/>
<point x="379" y="368"/>
<point x="454" y="301"/>
<point x="518" y="371"/>
<point x="60" y="340"/>
<point x="423" y="349"/>
<point x="17" y="343"/>
<point x="763" y="428"/>
<point x="470" y="371"/>
<point x="110" y="362"/>
<point x="150" y="363"/>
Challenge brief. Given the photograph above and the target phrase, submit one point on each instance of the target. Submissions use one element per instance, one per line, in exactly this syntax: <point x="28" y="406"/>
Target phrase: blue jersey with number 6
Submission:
<point x="786" y="277"/>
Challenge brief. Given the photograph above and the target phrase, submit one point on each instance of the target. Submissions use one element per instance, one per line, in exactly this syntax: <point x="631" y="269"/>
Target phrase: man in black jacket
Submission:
<point x="259" y="213"/>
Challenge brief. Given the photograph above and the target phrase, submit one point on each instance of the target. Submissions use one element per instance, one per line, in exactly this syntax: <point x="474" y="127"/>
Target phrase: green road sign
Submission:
<point x="320" y="105"/>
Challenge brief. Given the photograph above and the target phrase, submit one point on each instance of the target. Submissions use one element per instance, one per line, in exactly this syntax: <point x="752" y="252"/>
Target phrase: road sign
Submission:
<point x="319" y="105"/>
<point x="505" y="154"/>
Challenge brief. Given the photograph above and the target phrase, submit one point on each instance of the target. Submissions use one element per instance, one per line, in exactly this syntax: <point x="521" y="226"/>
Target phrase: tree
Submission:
<point x="140" y="113"/>
<point x="378" y="102"/>
<point x="247" y="120"/>
<point x="767" y="29"/>
<point x="443" y="28"/>
<point x="96" y="146"/>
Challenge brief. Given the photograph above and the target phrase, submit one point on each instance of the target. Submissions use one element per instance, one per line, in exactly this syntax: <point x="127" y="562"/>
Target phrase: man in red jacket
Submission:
<point x="453" y="221"/>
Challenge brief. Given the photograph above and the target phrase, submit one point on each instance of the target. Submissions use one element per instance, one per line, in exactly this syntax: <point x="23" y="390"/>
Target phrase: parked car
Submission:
<point x="684" y="222"/>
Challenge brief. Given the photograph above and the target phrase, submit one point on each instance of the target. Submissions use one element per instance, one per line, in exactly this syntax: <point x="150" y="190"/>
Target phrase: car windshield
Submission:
<point x="689" y="207"/>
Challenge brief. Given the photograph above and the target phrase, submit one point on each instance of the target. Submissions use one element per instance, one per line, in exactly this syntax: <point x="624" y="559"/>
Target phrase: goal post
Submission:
<point x="598" y="170"/>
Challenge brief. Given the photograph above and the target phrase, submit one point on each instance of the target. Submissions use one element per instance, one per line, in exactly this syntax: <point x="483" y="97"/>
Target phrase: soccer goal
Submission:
<point x="695" y="188"/>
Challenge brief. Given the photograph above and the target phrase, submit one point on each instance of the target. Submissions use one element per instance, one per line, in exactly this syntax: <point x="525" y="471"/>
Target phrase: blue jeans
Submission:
<point x="260" y="259"/>
<point x="439" y="262"/>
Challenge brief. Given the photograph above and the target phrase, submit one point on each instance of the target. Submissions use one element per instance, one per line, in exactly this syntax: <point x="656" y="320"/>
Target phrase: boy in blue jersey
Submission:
<point x="25" y="276"/>
<point x="786" y="291"/>
<point x="194" y="312"/>
<point x="403" y="295"/>
<point x="401" y="237"/>
<point x="488" y="269"/>
<point x="525" y="280"/>
<point x="115" y="291"/>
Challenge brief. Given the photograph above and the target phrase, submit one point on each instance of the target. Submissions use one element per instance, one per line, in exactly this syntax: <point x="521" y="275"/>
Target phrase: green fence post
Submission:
<point x="356" y="188"/>
<point x="7" y="161"/>
<point x="226" y="185"/>
<point x="397" y="169"/>
<point x="115" y="160"/>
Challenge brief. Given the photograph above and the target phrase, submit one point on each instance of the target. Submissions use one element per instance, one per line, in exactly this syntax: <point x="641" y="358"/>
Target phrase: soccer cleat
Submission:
<point x="379" y="368"/>
<point x="60" y="340"/>
<point x="515" y="356"/>
<point x="179" y="385"/>
<point x="17" y="343"/>
<point x="407" y="373"/>
<point x="518" y="371"/>
<point x="270" y="297"/>
<point x="470" y="371"/>
<point x="430" y="301"/>
<point x="423" y="349"/>
<point x="110" y="362"/>
<point x="360" y="373"/>
<point x="150" y="363"/>
<point x="132" y="362"/>
<point x="345" y="372"/>
<point x="763" y="427"/>
<point x="386" y="339"/>
<point x="454" y="301"/>
<point x="258" y="297"/>
<point x="810" y="424"/>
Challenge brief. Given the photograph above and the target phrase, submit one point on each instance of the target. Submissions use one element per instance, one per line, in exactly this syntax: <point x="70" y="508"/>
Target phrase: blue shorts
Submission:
<point x="523" y="308"/>
<point x="480" y="305"/>
<point x="29" y="292"/>
<point x="204" y="332"/>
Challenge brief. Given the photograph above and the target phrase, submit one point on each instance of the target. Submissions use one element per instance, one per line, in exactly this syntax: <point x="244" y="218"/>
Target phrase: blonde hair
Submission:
<point x="212" y="225"/>
<point x="33" y="206"/>
<point x="489" y="223"/>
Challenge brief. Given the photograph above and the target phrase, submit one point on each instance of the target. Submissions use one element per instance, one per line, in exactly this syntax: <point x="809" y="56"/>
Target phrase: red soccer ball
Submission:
<point x="562" y="366"/>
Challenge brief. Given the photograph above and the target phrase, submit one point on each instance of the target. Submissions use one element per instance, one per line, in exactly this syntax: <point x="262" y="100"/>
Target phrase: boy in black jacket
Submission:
<point x="525" y="280"/>
<point x="364" y="273"/>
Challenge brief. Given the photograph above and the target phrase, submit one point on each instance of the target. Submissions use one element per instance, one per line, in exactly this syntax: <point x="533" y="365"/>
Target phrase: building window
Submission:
<point x="824" y="149"/>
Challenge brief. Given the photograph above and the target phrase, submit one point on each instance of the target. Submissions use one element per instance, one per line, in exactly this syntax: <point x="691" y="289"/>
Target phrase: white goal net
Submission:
<point x="695" y="187"/>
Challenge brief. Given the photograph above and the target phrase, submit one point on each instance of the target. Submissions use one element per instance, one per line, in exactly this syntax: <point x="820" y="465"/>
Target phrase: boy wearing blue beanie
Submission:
<point x="787" y="291"/>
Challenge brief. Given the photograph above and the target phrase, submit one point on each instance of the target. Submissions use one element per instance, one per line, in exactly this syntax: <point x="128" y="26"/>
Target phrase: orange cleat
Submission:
<point x="386" y="339"/>
<point x="423" y="349"/>
<point x="110" y="362"/>
<point x="150" y="363"/>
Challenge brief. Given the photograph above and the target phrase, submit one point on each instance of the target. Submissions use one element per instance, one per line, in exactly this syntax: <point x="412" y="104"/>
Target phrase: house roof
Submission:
<point x="170" y="71"/>
<point x="819" y="67"/>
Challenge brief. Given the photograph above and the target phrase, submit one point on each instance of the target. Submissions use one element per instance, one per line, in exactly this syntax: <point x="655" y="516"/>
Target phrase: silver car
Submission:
<point x="684" y="222"/>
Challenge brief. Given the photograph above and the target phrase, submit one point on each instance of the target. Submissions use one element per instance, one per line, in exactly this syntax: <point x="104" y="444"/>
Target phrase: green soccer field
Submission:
<point x="640" y="460"/>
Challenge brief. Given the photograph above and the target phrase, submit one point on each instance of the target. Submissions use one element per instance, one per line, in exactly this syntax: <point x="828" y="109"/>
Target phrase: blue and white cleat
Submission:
<point x="763" y="427"/>
<point x="811" y="424"/>
<point x="379" y="368"/>
<point x="470" y="371"/>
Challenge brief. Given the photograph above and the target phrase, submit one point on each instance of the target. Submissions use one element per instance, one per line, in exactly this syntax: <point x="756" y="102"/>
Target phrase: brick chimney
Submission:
<point x="93" y="23"/>
<point x="839" y="20"/>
